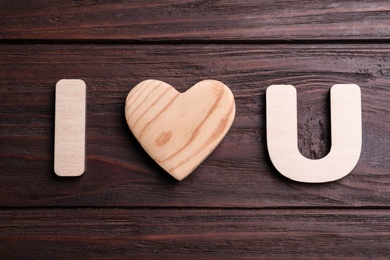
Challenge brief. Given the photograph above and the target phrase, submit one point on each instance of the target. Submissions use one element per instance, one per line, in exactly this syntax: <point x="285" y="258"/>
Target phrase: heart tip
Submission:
<point x="180" y="177"/>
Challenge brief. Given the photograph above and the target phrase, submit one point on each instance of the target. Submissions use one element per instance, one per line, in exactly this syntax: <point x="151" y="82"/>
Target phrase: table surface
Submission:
<point x="235" y="204"/>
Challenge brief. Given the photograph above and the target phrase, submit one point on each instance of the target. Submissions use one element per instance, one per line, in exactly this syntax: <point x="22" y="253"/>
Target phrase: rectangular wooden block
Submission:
<point x="70" y="117"/>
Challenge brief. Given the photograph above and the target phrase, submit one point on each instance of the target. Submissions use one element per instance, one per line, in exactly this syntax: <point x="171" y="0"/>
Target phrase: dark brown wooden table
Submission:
<point x="235" y="204"/>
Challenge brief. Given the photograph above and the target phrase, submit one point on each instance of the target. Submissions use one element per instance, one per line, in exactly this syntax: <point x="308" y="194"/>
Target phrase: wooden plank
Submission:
<point x="195" y="20"/>
<point x="186" y="233"/>
<point x="238" y="173"/>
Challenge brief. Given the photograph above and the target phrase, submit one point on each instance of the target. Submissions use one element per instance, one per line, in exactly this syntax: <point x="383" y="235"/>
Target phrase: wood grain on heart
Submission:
<point x="179" y="130"/>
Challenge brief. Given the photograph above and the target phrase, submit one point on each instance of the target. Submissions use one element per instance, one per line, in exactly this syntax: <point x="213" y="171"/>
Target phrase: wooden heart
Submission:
<point x="179" y="130"/>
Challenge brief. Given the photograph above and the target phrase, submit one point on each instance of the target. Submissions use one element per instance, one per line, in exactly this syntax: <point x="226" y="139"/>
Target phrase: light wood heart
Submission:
<point x="179" y="130"/>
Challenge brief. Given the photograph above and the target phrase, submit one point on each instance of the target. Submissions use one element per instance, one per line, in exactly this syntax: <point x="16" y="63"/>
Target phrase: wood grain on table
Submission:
<point x="235" y="204"/>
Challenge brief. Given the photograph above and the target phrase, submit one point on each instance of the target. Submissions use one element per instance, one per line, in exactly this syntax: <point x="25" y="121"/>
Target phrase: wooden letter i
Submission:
<point x="69" y="140"/>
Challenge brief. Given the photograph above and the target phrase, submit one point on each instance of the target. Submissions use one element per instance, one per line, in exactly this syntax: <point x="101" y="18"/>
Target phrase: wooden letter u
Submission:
<point x="282" y="134"/>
